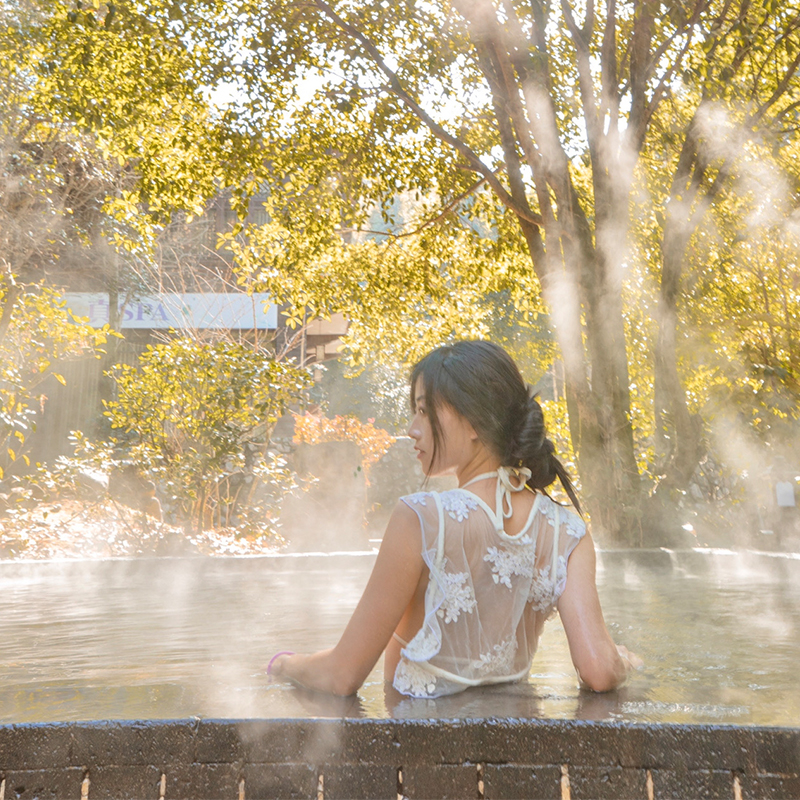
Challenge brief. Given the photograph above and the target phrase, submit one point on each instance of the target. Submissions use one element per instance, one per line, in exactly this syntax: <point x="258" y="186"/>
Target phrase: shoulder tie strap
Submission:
<point x="509" y="480"/>
<point x="506" y="485"/>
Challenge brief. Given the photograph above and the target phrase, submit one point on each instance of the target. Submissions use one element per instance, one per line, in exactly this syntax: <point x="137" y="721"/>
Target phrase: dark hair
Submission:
<point x="481" y="382"/>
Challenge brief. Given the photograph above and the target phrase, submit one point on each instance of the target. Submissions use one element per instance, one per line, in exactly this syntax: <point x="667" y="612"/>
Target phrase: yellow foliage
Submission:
<point x="374" y="442"/>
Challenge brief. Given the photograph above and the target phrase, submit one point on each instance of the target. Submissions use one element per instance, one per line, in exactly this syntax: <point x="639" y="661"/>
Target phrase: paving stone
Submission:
<point x="285" y="781"/>
<point x="375" y="738"/>
<point x="44" y="784"/>
<point x="515" y="782"/>
<point x="607" y="783"/>
<point x="268" y="741"/>
<point x="359" y="782"/>
<point x="155" y="742"/>
<point x="35" y="746"/>
<point x="202" y="782"/>
<point x="442" y="781"/>
<point x="697" y="747"/>
<point x="770" y="787"/>
<point x="139" y="782"/>
<point x="684" y="784"/>
<point x="777" y="751"/>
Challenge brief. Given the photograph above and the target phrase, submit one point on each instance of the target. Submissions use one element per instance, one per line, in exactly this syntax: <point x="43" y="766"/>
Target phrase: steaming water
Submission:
<point x="191" y="637"/>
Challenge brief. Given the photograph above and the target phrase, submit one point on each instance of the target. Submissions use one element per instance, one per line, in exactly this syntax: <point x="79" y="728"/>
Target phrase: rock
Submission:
<point x="92" y="483"/>
<point x="129" y="486"/>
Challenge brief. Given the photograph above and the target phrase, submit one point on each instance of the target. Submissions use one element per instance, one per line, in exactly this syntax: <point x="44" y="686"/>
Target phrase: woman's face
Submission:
<point x="458" y="438"/>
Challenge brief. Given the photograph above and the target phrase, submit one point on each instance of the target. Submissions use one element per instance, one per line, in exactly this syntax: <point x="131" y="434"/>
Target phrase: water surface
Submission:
<point x="174" y="638"/>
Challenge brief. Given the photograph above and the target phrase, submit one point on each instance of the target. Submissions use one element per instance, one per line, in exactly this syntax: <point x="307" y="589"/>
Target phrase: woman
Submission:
<point x="465" y="579"/>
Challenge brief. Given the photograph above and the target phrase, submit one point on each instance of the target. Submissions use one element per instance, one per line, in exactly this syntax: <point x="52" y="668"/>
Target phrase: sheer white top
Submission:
<point x="489" y="593"/>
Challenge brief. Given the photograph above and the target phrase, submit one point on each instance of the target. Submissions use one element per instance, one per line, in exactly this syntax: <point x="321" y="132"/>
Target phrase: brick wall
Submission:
<point x="211" y="760"/>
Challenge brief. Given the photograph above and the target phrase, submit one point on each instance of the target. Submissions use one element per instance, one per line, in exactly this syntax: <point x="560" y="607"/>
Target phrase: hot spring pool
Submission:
<point x="180" y="638"/>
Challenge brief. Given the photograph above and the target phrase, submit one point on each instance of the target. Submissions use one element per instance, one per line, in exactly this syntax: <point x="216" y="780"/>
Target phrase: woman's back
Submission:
<point x="489" y="591"/>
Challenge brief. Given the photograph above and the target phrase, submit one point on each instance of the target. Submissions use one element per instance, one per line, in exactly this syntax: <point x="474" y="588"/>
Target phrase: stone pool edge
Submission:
<point x="206" y="759"/>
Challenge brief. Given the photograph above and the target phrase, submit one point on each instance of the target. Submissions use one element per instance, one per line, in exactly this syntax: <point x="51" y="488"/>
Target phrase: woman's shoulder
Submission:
<point x="568" y="518"/>
<point x="456" y="504"/>
<point x="419" y="499"/>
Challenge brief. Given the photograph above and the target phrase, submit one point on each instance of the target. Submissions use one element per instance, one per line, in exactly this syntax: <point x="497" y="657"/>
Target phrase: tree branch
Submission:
<point x="397" y="87"/>
<point x="780" y="89"/>
<point x="428" y="223"/>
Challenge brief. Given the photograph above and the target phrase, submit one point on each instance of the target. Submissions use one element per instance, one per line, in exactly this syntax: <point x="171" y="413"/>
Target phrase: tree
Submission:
<point x="571" y="104"/>
<point x="52" y="189"/>
<point x="534" y="138"/>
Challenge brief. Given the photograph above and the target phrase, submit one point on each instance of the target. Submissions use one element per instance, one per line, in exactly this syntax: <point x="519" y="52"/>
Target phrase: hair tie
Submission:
<point x="277" y="655"/>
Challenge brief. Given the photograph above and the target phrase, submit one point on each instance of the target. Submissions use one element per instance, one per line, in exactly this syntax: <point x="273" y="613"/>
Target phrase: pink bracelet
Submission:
<point x="272" y="660"/>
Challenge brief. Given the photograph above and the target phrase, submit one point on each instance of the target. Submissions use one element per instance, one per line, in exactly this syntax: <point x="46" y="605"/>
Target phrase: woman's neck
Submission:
<point x="482" y="462"/>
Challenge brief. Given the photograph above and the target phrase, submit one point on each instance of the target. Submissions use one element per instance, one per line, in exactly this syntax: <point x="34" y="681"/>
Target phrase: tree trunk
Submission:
<point x="108" y="360"/>
<point x="679" y="434"/>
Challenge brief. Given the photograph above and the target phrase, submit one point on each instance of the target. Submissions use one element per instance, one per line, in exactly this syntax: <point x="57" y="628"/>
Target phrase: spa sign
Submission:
<point x="193" y="310"/>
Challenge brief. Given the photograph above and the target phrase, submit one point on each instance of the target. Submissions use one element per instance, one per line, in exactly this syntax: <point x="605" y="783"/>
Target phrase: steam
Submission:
<point x="191" y="637"/>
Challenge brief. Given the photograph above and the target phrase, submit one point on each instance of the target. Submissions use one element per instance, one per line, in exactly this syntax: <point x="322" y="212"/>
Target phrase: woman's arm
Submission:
<point x="395" y="576"/>
<point x="600" y="664"/>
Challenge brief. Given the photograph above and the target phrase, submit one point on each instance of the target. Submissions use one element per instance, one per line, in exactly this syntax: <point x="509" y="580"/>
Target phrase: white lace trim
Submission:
<point x="458" y="595"/>
<point x="458" y="504"/>
<point x="412" y="679"/>
<point x="418" y="498"/>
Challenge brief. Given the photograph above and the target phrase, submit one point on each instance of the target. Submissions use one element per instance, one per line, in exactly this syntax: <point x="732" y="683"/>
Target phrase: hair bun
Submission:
<point x="529" y="439"/>
<point x="481" y="382"/>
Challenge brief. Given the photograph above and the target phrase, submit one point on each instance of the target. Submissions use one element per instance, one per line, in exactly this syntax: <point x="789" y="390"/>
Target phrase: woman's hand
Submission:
<point x="395" y="577"/>
<point x="630" y="660"/>
<point x="275" y="667"/>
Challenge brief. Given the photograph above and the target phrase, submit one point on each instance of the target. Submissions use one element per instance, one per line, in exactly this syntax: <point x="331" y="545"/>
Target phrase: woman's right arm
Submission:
<point x="600" y="664"/>
<point x="392" y="584"/>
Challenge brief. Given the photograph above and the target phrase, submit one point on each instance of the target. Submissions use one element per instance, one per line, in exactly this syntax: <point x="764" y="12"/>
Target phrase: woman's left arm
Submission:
<point x="601" y="665"/>
<point x="395" y="577"/>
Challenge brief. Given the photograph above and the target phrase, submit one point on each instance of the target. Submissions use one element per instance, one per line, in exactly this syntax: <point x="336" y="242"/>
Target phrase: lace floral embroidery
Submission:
<point x="458" y="505"/>
<point x="575" y="525"/>
<point x="543" y="591"/>
<point x="414" y="680"/>
<point x="417" y="499"/>
<point x="499" y="661"/>
<point x="506" y="563"/>
<point x="423" y="646"/>
<point x="458" y="596"/>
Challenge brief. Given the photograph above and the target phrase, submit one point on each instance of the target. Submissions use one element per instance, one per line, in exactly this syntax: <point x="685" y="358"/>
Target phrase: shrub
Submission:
<point x="197" y="417"/>
<point x="36" y="331"/>
<point x="374" y="442"/>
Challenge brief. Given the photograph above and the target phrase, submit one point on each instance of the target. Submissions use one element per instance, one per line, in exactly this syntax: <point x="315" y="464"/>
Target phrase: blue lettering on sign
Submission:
<point x="162" y="311"/>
